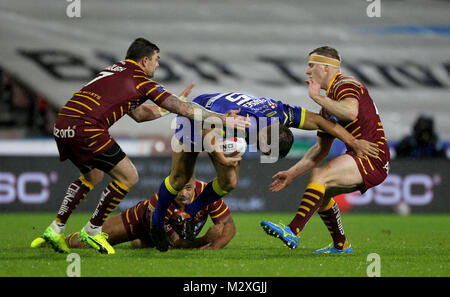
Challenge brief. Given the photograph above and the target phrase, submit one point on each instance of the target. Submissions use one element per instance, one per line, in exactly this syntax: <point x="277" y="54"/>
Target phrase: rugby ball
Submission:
<point x="234" y="147"/>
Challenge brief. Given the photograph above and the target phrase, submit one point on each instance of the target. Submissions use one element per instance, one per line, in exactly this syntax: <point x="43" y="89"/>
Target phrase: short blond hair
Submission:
<point x="326" y="51"/>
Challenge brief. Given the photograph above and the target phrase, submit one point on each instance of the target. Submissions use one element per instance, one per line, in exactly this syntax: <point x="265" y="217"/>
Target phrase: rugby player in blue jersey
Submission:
<point x="268" y="117"/>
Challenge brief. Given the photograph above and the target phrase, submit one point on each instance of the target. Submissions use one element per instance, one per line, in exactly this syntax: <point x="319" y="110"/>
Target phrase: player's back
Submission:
<point x="261" y="111"/>
<point x="254" y="107"/>
<point x="248" y="104"/>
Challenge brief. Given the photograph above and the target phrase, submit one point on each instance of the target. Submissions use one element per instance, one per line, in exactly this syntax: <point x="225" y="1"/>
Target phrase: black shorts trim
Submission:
<point x="105" y="161"/>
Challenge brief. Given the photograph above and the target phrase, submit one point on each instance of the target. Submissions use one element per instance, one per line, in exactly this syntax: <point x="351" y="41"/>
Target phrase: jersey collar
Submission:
<point x="332" y="81"/>
<point x="133" y="62"/>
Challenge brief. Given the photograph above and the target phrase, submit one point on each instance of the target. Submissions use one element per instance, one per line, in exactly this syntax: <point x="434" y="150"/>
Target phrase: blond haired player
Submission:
<point x="348" y="103"/>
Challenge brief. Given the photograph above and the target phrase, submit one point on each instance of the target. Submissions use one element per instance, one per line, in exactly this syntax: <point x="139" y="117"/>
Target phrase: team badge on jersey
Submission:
<point x="272" y="104"/>
<point x="132" y="107"/>
<point x="291" y="115"/>
<point x="160" y="89"/>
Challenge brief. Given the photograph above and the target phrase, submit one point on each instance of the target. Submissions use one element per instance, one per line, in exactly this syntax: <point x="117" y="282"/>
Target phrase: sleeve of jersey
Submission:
<point x="153" y="201"/>
<point x="348" y="90"/>
<point x="150" y="89"/>
<point x="169" y="230"/>
<point x="218" y="211"/>
<point x="294" y="116"/>
<point x="320" y="132"/>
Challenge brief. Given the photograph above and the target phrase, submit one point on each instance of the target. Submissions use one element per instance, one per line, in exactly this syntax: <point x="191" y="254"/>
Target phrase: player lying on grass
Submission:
<point x="134" y="223"/>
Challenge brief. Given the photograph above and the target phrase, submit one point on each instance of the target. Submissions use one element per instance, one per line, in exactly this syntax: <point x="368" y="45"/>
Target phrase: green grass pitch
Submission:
<point x="416" y="245"/>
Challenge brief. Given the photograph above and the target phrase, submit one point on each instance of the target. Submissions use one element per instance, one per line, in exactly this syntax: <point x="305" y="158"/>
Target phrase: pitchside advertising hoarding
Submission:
<point x="38" y="183"/>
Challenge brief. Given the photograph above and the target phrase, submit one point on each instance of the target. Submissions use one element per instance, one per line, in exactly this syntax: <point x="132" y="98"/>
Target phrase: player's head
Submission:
<point x="323" y="63"/>
<point x="285" y="140"/>
<point x="184" y="196"/>
<point x="145" y="53"/>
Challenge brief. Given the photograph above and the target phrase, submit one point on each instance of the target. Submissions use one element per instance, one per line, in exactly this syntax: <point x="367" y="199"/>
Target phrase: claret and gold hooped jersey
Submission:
<point x="114" y="92"/>
<point x="81" y="127"/>
<point x="367" y="125"/>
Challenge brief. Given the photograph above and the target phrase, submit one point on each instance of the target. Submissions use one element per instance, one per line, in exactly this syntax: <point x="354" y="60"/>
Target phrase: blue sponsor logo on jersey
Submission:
<point x="160" y="89"/>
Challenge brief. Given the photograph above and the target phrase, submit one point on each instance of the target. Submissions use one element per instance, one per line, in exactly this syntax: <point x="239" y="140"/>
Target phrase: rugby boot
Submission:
<point x="282" y="232"/>
<point x="98" y="242"/>
<point x="331" y="249"/>
<point x="38" y="242"/>
<point x="57" y="241"/>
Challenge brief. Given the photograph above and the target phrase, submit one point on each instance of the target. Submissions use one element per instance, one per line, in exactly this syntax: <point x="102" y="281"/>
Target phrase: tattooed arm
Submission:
<point x="174" y="104"/>
<point x="192" y="110"/>
<point x="146" y="112"/>
<point x="197" y="112"/>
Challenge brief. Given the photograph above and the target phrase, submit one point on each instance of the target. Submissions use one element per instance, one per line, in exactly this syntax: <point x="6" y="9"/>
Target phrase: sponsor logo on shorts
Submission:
<point x="69" y="132"/>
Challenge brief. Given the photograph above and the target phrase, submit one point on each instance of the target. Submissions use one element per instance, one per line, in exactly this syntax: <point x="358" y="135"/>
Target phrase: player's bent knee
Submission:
<point x="228" y="184"/>
<point x="94" y="177"/>
<point x="178" y="181"/>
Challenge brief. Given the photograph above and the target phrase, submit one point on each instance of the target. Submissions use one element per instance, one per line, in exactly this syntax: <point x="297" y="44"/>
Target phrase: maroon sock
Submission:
<point x="311" y="201"/>
<point x="76" y="192"/>
<point x="111" y="197"/>
<point x="332" y="219"/>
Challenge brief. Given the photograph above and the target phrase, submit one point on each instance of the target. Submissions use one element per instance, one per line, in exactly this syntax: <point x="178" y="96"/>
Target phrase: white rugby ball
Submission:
<point x="234" y="146"/>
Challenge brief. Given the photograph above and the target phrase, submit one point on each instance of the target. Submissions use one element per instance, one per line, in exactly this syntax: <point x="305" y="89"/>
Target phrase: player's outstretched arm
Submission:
<point x="313" y="156"/>
<point x="361" y="147"/>
<point x="180" y="243"/>
<point x="147" y="112"/>
<point x="195" y="111"/>
<point x="227" y="234"/>
<point x="183" y="96"/>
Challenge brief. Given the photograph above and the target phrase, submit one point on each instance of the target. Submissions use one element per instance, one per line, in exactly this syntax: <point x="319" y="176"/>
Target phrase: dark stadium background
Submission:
<point x="257" y="47"/>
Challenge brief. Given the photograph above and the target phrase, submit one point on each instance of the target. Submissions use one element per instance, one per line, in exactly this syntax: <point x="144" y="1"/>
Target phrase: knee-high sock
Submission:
<point x="76" y="192"/>
<point x="331" y="216"/>
<point x="111" y="197"/>
<point x="211" y="193"/>
<point x="166" y="194"/>
<point x="311" y="201"/>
